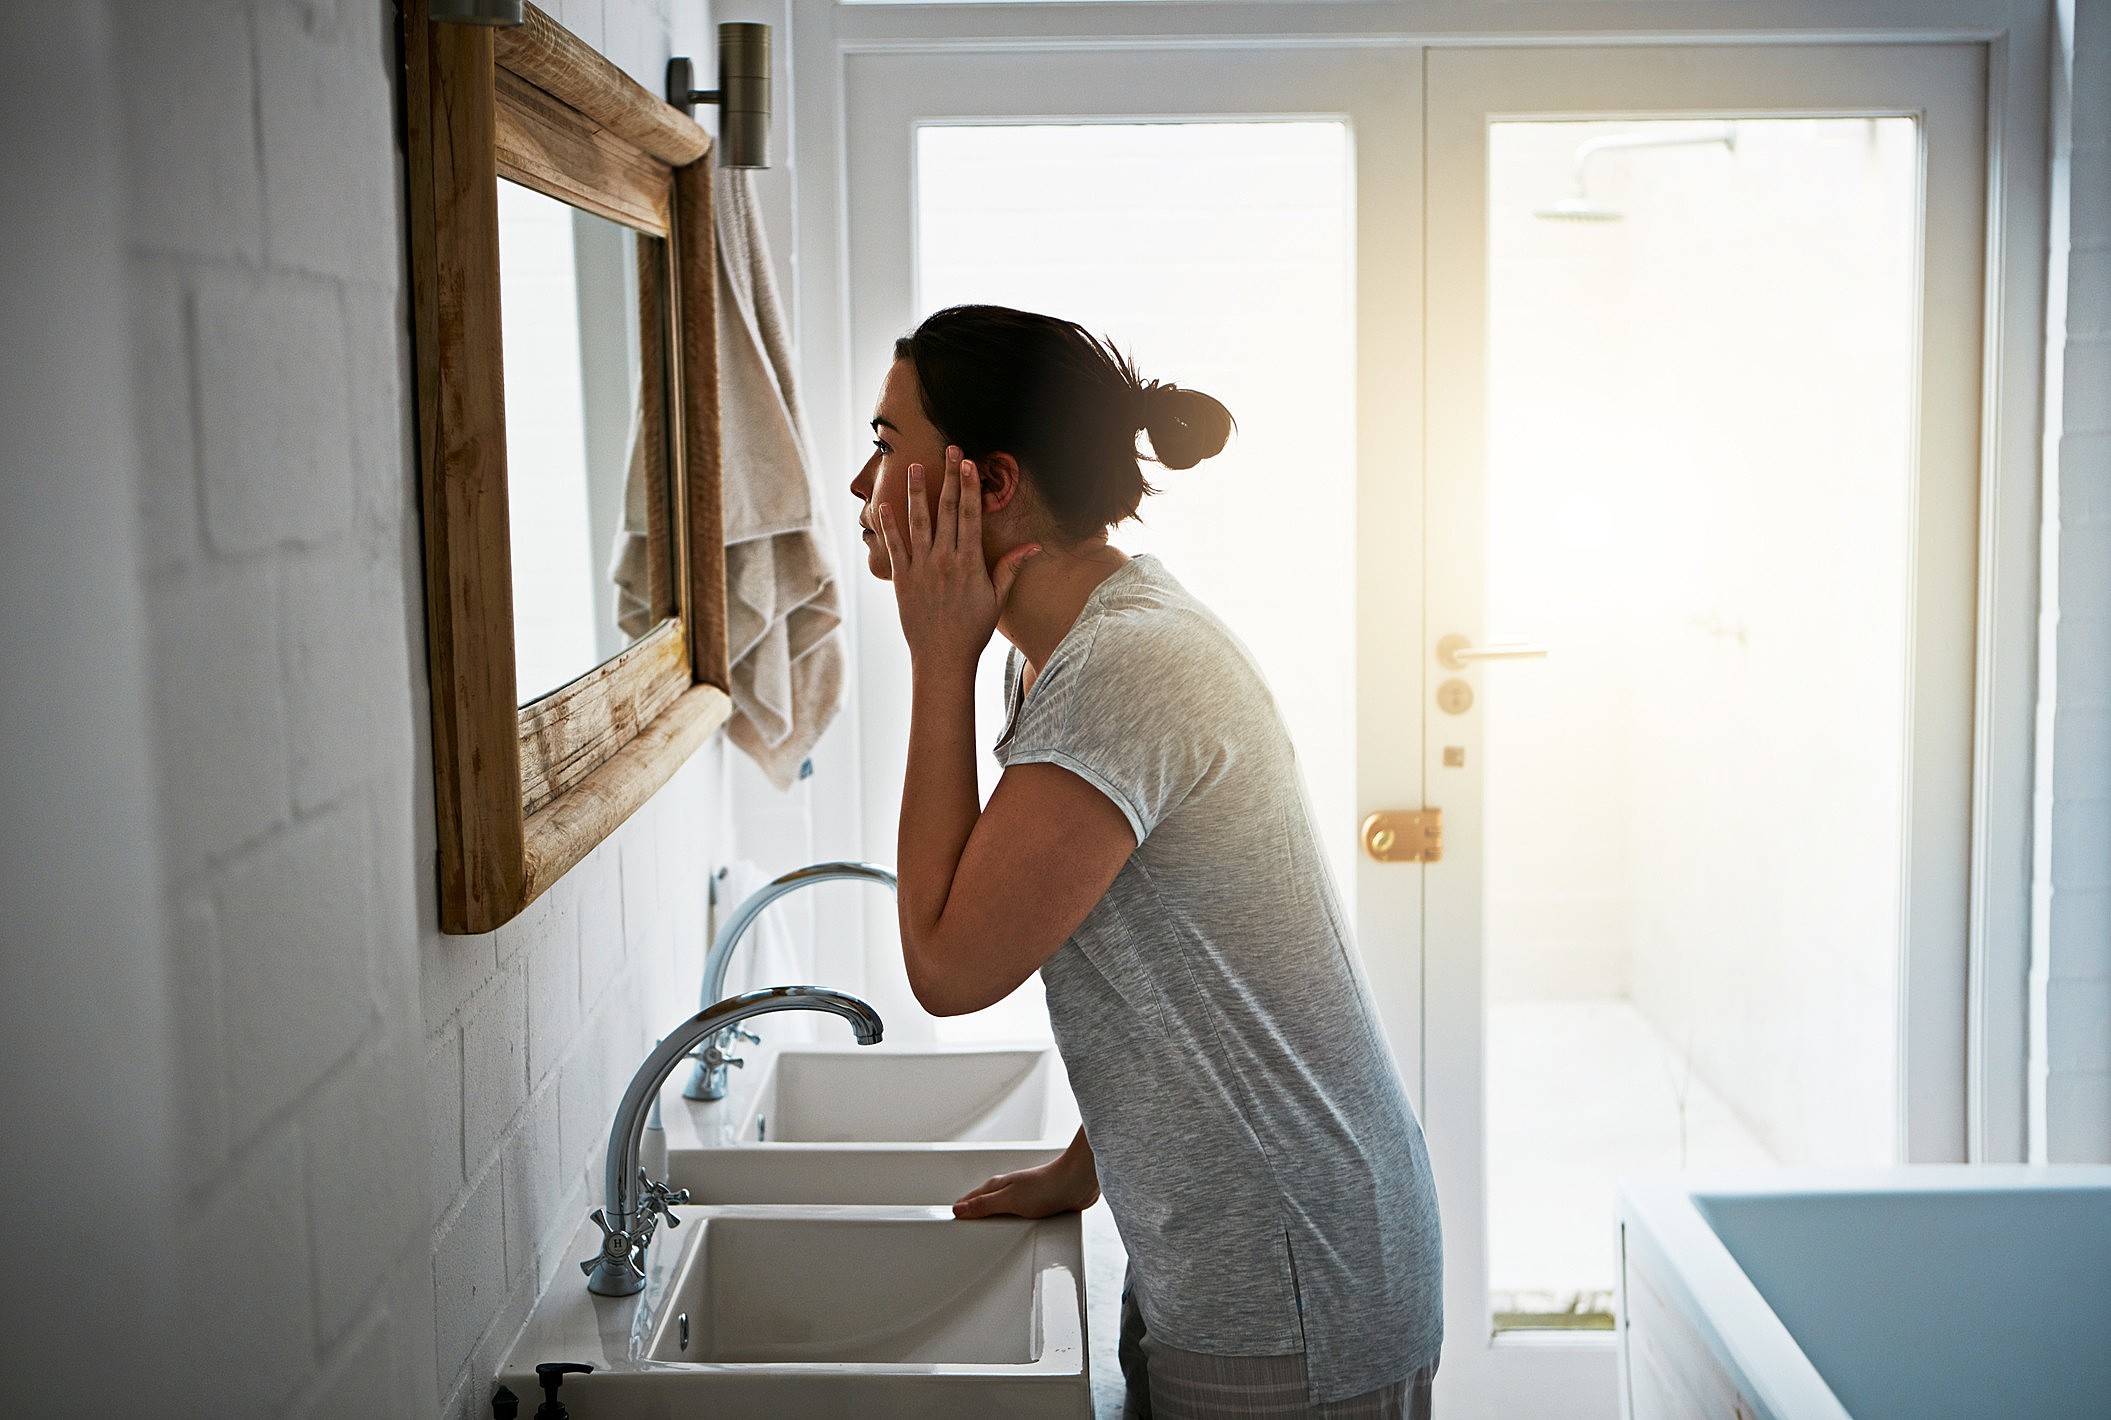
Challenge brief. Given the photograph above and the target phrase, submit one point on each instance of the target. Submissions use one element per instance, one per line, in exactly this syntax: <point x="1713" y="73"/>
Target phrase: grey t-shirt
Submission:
<point x="1254" y="1143"/>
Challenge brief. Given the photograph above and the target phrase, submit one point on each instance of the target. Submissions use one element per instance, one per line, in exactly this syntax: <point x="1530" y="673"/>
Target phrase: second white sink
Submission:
<point x="847" y="1094"/>
<point x="924" y="1175"/>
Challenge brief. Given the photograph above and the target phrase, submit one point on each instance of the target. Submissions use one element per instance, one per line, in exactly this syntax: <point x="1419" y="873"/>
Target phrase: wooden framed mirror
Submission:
<point x="563" y="264"/>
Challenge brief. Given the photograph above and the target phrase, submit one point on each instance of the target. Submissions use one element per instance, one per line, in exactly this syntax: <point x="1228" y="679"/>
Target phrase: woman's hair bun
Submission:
<point x="1186" y="426"/>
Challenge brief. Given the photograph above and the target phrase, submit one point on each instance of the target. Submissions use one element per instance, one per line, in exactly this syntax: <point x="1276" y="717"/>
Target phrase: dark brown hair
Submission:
<point x="1064" y="403"/>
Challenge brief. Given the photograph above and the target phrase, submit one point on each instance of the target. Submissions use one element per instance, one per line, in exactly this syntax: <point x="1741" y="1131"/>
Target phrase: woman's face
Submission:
<point x="901" y="435"/>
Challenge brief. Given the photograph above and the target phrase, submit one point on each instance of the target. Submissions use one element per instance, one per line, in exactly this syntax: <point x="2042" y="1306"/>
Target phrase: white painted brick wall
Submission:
<point x="275" y="434"/>
<point x="2074" y="1093"/>
<point x="389" y="1135"/>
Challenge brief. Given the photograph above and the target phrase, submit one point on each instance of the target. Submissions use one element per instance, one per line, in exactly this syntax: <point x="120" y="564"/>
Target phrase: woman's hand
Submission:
<point x="1067" y="1183"/>
<point x="947" y="596"/>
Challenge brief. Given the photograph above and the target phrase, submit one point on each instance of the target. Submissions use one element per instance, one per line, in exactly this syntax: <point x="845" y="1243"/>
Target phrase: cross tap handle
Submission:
<point x="659" y="1198"/>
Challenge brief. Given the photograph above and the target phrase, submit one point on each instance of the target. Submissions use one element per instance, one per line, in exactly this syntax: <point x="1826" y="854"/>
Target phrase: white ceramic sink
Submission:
<point x="884" y="1125"/>
<point x="876" y="1312"/>
<point x="849" y="1094"/>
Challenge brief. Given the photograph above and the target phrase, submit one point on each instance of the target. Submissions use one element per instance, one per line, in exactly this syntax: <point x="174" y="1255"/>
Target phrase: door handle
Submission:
<point x="1456" y="652"/>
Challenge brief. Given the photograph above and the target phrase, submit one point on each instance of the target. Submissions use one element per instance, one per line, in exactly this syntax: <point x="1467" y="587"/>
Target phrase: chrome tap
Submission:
<point x="709" y="1081"/>
<point x="636" y="1203"/>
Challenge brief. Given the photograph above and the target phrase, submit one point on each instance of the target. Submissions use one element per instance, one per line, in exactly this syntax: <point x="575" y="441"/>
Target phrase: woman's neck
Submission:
<point x="1051" y="590"/>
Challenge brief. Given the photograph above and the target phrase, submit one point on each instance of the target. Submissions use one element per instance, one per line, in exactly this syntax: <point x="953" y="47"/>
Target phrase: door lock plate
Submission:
<point x="1405" y="837"/>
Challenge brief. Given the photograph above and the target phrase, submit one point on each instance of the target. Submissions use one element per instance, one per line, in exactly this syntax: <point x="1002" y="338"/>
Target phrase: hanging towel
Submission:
<point x="783" y="600"/>
<point x="630" y="560"/>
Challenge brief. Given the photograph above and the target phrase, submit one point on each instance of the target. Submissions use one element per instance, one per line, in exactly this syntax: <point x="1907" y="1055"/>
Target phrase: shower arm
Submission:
<point x="1591" y="148"/>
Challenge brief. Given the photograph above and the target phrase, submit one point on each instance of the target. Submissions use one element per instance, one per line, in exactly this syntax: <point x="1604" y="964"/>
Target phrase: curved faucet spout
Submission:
<point x="709" y="1081"/>
<point x="628" y="1219"/>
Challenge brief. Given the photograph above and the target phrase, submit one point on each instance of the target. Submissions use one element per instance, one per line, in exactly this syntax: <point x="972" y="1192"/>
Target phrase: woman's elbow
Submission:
<point x="942" y="991"/>
<point x="941" y="997"/>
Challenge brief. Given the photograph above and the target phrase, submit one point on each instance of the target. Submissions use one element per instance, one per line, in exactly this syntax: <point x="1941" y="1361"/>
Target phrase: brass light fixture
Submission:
<point x="742" y="95"/>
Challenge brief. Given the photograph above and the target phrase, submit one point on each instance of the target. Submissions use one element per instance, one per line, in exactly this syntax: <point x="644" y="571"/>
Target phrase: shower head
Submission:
<point x="1579" y="209"/>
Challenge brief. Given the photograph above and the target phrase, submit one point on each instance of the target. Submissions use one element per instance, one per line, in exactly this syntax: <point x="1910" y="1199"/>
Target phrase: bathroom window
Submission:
<point x="1207" y="251"/>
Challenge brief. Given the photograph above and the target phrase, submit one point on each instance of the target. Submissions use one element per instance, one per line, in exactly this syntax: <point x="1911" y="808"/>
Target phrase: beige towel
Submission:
<point x="629" y="562"/>
<point x="783" y="601"/>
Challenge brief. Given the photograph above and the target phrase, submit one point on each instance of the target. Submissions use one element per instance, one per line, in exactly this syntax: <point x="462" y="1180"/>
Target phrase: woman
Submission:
<point x="1149" y="852"/>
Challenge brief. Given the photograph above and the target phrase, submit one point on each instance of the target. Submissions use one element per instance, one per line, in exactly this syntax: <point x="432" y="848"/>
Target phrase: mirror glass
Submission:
<point x="586" y="478"/>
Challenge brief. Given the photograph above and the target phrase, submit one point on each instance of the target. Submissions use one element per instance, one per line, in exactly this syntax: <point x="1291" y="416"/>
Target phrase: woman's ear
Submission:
<point x="1000" y="482"/>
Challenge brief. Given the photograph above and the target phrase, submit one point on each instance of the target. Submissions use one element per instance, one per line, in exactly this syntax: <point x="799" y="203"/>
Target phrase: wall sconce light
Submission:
<point x="742" y="95"/>
<point x="500" y="13"/>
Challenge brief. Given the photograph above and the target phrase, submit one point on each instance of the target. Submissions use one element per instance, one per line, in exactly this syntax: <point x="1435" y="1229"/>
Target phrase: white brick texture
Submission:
<point x="469" y="1269"/>
<point x="251" y="1339"/>
<point x="358" y="1150"/>
<point x="494" y="1066"/>
<point x="294" y="980"/>
<point x="168" y="497"/>
<point x="403" y="1123"/>
<point x="224" y="755"/>
<point x="274" y="396"/>
<point x="342" y="644"/>
<point x="329" y="140"/>
<point x="196" y="183"/>
<point x="201" y="1044"/>
<point x="443" y="1121"/>
<point x="553" y="991"/>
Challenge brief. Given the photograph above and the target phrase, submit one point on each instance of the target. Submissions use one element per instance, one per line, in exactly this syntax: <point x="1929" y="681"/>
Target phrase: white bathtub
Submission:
<point x="1932" y="1293"/>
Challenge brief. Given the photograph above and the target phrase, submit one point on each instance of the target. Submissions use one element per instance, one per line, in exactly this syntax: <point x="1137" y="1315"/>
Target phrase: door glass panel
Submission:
<point x="1218" y="256"/>
<point x="1702" y="339"/>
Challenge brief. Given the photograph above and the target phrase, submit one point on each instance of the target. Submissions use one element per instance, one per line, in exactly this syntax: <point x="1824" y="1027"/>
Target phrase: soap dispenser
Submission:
<point x="552" y="1374"/>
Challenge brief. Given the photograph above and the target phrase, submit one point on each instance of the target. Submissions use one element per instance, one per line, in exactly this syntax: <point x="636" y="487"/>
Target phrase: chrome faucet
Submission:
<point x="636" y="1203"/>
<point x="709" y="1081"/>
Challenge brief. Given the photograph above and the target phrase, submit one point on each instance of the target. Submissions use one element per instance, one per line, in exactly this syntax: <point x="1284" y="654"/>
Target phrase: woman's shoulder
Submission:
<point x="1149" y="619"/>
<point x="1151" y="645"/>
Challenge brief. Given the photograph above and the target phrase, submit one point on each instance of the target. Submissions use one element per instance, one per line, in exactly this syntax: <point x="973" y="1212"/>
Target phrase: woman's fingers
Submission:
<point x="979" y="1201"/>
<point x="1007" y="569"/>
<point x="971" y="508"/>
<point x="891" y="534"/>
<point x="919" y="513"/>
<point x="946" y="535"/>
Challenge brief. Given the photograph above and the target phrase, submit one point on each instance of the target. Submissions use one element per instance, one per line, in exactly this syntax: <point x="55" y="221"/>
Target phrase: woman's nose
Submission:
<point x="861" y="486"/>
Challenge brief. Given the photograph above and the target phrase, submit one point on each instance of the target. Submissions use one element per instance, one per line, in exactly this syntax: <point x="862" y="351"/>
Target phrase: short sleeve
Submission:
<point x="1120" y="711"/>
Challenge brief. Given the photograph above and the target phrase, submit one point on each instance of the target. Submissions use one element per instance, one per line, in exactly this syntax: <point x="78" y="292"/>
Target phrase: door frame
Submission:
<point x="828" y="39"/>
<point x="813" y="185"/>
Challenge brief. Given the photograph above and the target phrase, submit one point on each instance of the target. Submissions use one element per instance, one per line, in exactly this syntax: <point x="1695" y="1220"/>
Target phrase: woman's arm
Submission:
<point x="1067" y="1183"/>
<point x="985" y="894"/>
<point x="980" y="917"/>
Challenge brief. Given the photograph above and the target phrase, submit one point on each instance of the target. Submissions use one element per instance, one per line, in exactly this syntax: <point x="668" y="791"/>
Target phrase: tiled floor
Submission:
<point x="1579" y="1093"/>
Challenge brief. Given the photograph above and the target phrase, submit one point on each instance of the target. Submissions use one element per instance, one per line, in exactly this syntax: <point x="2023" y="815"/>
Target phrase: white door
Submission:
<point x="1246" y="220"/>
<point x="1703" y="449"/>
<point x="1394" y="543"/>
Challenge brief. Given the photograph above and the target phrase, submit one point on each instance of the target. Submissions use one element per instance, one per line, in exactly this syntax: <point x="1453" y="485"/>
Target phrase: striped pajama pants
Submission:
<point x="1167" y="1383"/>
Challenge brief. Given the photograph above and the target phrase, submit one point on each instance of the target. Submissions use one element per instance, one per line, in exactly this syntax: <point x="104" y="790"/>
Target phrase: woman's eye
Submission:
<point x="881" y="445"/>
